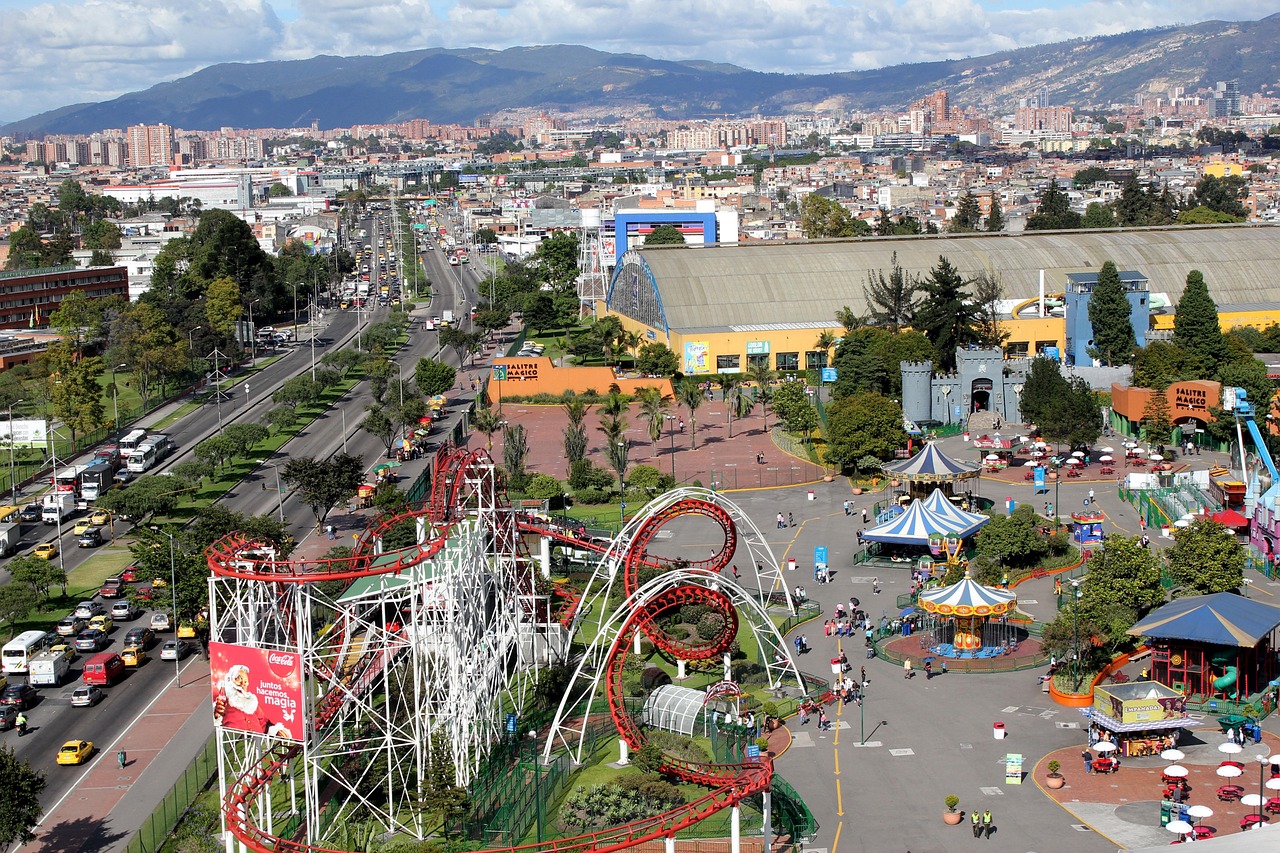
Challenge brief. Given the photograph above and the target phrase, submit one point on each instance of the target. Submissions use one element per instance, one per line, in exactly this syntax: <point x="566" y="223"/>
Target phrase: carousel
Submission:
<point x="969" y="620"/>
<point x="931" y="469"/>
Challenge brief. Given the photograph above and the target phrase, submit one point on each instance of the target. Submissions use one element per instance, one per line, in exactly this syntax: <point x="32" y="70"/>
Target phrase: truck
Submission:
<point x="96" y="480"/>
<point x="10" y="537"/>
<point x="47" y="669"/>
<point x="446" y="317"/>
<point x="113" y="588"/>
<point x="57" y="507"/>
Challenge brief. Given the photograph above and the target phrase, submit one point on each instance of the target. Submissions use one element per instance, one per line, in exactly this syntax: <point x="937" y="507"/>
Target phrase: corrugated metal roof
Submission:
<point x="800" y="283"/>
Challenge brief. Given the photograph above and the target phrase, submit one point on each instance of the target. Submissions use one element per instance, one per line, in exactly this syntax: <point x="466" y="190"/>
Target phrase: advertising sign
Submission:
<point x="696" y="358"/>
<point x="830" y="374"/>
<point x="757" y="347"/>
<point x="26" y="433"/>
<point x="1013" y="769"/>
<point x="1041" y="486"/>
<point x="257" y="690"/>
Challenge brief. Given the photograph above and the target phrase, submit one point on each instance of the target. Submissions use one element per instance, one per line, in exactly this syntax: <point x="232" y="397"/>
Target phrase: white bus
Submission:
<point x="130" y="442"/>
<point x="18" y="652"/>
<point x="150" y="453"/>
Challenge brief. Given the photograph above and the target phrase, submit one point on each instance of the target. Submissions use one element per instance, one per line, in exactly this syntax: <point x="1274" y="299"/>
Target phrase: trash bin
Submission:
<point x="871" y="652"/>
<point x="1257" y="733"/>
<point x="998" y="730"/>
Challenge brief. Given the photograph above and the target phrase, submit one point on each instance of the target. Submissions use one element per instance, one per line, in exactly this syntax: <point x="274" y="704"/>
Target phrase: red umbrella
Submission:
<point x="1230" y="518"/>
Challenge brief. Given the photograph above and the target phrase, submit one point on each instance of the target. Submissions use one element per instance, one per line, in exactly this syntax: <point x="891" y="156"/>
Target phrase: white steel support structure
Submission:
<point x="593" y="280"/>
<point x="396" y="667"/>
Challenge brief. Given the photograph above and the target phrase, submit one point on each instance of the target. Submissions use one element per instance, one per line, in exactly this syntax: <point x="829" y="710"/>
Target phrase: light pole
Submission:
<point x="1075" y="636"/>
<point x="173" y="588"/>
<point x="671" y="432"/>
<point x="1263" y="762"/>
<point x="253" y="334"/>
<point x="279" y="492"/>
<point x="115" y="398"/>
<point x="344" y="428"/>
<point x="13" y="470"/>
<point x="53" y="452"/>
<point x="191" y="352"/>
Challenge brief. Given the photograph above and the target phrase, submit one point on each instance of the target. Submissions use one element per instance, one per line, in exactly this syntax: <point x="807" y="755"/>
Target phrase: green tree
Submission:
<point x="1221" y="194"/>
<point x="20" y="807"/>
<point x="995" y="219"/>
<point x="146" y="496"/>
<point x="657" y="359"/>
<point x="1044" y="385"/>
<point x="968" y="215"/>
<point x="823" y="217"/>
<point x="653" y="408"/>
<point x="1075" y="419"/>
<point x="1109" y="312"/>
<point x="1155" y="416"/>
<point x="25" y="249"/>
<point x="893" y="298"/>
<point x="1195" y="325"/>
<point x="761" y="376"/>
<point x="945" y="315"/>
<point x="486" y="422"/>
<point x="299" y="390"/>
<point x="433" y="377"/>
<point x="1053" y="211"/>
<point x="1206" y="558"/>
<point x="515" y="451"/>
<point x="1013" y="540"/>
<point x="1088" y="176"/>
<point x="282" y="417"/>
<point x="689" y="394"/>
<point x="988" y="294"/>
<point x="1098" y="215"/>
<point x="322" y="484"/>
<point x="540" y="312"/>
<point x="664" y="235"/>
<point x="17" y="600"/>
<point x="222" y="307"/>
<point x="278" y="190"/>
<point x="863" y="425"/>
<point x="40" y="575"/>
<point x="378" y="423"/>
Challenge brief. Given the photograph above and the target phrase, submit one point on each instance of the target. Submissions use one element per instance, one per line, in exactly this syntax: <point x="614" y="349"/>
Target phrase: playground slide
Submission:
<point x="1226" y="680"/>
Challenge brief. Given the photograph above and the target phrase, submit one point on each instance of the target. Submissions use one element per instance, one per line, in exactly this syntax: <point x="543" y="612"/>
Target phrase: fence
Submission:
<point x="198" y="776"/>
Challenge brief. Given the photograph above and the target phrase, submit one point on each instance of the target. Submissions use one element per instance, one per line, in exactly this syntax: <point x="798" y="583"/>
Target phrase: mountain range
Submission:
<point x="462" y="85"/>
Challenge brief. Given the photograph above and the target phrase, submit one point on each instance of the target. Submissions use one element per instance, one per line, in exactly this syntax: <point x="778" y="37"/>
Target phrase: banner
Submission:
<point x="257" y="690"/>
<point x="696" y="357"/>
<point x="1041" y="487"/>
<point x="27" y="432"/>
<point x="1013" y="769"/>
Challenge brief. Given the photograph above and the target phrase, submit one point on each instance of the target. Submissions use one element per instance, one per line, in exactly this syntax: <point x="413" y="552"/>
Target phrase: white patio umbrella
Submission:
<point x="1107" y="449"/>
<point x="1273" y="784"/>
<point x="1254" y="800"/>
<point x="1229" y="772"/>
<point x="1181" y="827"/>
<point x="1040" y="445"/>
<point x="991" y="457"/>
<point x="1275" y="759"/>
<point x="1230" y="747"/>
<point x="1106" y="457"/>
<point x="1173" y="755"/>
<point x="1079" y="454"/>
<point x="1032" y="463"/>
<point x="1104" y="746"/>
<point x="1176" y="770"/>
<point x="1182" y="522"/>
<point x="1073" y="461"/>
<point x="1156" y="457"/>
<point x="1201" y="812"/>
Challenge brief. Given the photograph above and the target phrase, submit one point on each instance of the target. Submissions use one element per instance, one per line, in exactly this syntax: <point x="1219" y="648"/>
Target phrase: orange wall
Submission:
<point x="529" y="376"/>
<point x="1186" y="400"/>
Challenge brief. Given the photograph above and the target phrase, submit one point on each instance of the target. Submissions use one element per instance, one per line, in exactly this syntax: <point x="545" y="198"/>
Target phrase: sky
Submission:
<point x="61" y="52"/>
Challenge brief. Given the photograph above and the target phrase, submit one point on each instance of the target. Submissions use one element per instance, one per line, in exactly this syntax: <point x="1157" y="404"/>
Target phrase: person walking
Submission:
<point x="847" y="509"/>
<point x="791" y="520"/>
<point x="864" y="515"/>
<point x="875" y="586"/>
<point x="906" y="668"/>
<point x="1087" y="757"/>
<point x="976" y="820"/>
<point x="988" y="825"/>
<point x="1091" y="497"/>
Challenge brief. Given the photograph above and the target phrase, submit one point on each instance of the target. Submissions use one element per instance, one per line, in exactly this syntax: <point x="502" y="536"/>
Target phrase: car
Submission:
<point x="103" y="623"/>
<point x="71" y="625"/>
<point x="143" y="593"/>
<point x="175" y="650"/>
<point x="8" y="717"/>
<point x="46" y="550"/>
<point x="130" y="574"/>
<point x="100" y="517"/>
<point x="91" y="640"/>
<point x="91" y="538"/>
<point x="75" y="752"/>
<point x="81" y="526"/>
<point x="161" y="621"/>
<point x="87" y="695"/>
<point x="124" y="611"/>
<point x="140" y="636"/>
<point x="88" y="609"/>
<point x="21" y="696"/>
<point x="30" y="513"/>
<point x="133" y="656"/>
<point x="66" y="649"/>
<point x="123" y="476"/>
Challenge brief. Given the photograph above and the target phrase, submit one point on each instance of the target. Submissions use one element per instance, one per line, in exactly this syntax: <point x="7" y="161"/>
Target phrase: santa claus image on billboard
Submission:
<point x="259" y="696"/>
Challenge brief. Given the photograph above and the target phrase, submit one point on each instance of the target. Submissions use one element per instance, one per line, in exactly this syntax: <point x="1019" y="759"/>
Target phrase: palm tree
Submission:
<point x="689" y="393"/>
<point x="760" y="374"/>
<point x="486" y="421"/>
<point x="851" y="321"/>
<point x="738" y="401"/>
<point x="629" y="342"/>
<point x="825" y="342"/>
<point x="653" y="408"/>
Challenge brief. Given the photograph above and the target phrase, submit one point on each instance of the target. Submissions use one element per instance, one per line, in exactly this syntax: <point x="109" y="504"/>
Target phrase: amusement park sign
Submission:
<point x="257" y="690"/>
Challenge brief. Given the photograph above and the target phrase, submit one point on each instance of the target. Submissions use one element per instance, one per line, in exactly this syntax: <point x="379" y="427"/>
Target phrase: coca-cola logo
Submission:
<point x="281" y="664"/>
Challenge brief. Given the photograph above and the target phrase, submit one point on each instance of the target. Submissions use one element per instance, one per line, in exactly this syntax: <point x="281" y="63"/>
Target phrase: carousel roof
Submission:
<point x="918" y="523"/>
<point x="968" y="598"/>
<point x="941" y="506"/>
<point x="931" y="465"/>
<point x="1220" y="619"/>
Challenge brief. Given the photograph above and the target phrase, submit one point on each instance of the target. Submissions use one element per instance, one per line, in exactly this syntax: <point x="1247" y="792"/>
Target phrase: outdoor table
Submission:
<point x="1107" y="469"/>
<point x="1227" y="793"/>
<point x="1235" y="764"/>
<point x="1104" y="765"/>
<point x="1072" y="472"/>
<point x="1204" y="831"/>
<point x="1249" y="820"/>
<point x="1272" y="805"/>
<point x="1029" y="475"/>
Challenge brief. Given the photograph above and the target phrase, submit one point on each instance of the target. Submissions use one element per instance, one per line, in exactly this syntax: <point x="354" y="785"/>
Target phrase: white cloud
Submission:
<point x="66" y="51"/>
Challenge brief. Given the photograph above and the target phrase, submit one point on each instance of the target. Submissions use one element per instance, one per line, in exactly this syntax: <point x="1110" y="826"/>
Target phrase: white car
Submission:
<point x="175" y="650"/>
<point x="86" y="696"/>
<point x="123" y="610"/>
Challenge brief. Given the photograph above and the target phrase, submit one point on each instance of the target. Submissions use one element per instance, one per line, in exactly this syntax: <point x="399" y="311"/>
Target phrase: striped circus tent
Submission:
<point x="931" y="465"/>
<point x="917" y="524"/>
<point x="968" y="598"/>
<point x="965" y="523"/>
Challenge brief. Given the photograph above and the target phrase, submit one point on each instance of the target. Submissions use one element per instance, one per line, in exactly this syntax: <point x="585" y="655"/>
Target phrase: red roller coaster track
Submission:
<point x="233" y="557"/>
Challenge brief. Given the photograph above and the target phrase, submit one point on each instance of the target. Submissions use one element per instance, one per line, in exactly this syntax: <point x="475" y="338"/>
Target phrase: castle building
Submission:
<point x="982" y="393"/>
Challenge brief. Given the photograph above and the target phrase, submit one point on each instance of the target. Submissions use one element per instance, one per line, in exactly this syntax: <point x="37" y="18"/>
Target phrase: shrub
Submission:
<point x="747" y="672"/>
<point x="584" y="475"/>
<point x="591" y="496"/>
<point x="1054" y="766"/>
<point x="710" y="625"/>
<point x="952" y="801"/>
<point x="544" y="486"/>
<point x="692" y="613"/>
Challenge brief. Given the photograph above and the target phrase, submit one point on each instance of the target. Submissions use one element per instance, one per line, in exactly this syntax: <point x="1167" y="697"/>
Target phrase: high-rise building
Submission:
<point x="1226" y="99"/>
<point x="150" y="145"/>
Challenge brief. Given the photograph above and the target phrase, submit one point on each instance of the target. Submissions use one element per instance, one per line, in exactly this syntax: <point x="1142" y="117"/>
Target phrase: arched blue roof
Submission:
<point x="931" y="465"/>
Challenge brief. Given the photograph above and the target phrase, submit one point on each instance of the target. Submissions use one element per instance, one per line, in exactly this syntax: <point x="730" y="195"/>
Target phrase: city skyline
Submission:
<point x="103" y="48"/>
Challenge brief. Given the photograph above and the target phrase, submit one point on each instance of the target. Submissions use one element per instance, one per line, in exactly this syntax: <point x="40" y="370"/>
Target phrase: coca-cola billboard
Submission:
<point x="257" y="690"/>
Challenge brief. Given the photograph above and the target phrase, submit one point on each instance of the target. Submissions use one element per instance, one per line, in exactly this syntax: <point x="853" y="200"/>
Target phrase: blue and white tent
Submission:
<point x="917" y="524"/>
<point x="931" y="465"/>
<point x="939" y="505"/>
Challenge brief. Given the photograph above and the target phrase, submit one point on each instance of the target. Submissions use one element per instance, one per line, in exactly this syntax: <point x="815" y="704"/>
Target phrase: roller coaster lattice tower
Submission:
<point x="371" y="668"/>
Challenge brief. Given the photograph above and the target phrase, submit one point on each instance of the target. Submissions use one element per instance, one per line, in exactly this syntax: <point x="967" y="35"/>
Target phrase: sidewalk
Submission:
<point x="107" y="805"/>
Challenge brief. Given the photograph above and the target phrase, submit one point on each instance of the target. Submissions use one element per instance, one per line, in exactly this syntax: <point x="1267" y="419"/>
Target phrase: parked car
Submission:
<point x="87" y="695"/>
<point x="124" y="611"/>
<point x="140" y="636"/>
<point x="89" y="609"/>
<point x="21" y="696"/>
<point x="175" y="650"/>
<point x="75" y="752"/>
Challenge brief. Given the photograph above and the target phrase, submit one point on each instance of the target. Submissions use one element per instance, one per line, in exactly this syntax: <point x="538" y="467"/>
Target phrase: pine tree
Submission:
<point x="1195" y="325"/>
<point x="1155" y="416"/>
<point x="1044" y="386"/>
<point x="892" y="299"/>
<point x="1113" y="338"/>
<point x="946" y="316"/>
<point x="968" y="215"/>
<point x="995" y="219"/>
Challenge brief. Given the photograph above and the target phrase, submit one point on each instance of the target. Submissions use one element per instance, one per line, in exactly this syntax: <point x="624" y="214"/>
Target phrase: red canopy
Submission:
<point x="1230" y="518"/>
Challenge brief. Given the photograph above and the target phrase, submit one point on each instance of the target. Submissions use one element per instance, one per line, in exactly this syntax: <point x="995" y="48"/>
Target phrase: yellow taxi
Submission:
<point x="46" y="550"/>
<point x="102" y="623"/>
<point x="75" y="752"/>
<point x="67" y="650"/>
<point x="81" y="526"/>
<point x="99" y="518"/>
<point x="133" y="656"/>
<point x="186" y="631"/>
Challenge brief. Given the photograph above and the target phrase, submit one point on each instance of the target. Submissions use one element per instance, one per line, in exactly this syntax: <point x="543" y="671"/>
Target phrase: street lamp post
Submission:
<point x="344" y="428"/>
<point x="253" y="334"/>
<point x="1263" y="762"/>
<point x="671" y="432"/>
<point x="191" y="352"/>
<point x="173" y="588"/>
<point x="13" y="469"/>
<point x="1075" y="635"/>
<point x="279" y="492"/>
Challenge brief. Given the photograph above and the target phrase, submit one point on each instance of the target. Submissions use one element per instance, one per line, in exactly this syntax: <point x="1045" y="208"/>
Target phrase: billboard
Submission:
<point x="696" y="358"/>
<point x="26" y="433"/>
<point x="257" y="690"/>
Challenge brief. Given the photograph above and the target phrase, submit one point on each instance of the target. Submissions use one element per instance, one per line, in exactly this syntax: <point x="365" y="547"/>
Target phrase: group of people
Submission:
<point x="808" y="708"/>
<point x="983" y="825"/>
<point x="784" y="521"/>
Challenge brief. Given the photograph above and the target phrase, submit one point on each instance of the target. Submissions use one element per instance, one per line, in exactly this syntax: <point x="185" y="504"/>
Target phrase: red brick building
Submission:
<point x="28" y="297"/>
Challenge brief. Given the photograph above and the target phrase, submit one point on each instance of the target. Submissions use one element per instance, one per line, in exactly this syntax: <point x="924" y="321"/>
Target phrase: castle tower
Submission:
<point x="917" y="395"/>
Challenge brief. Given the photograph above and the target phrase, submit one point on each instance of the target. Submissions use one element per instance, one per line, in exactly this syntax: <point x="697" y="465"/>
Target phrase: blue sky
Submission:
<point x="60" y="52"/>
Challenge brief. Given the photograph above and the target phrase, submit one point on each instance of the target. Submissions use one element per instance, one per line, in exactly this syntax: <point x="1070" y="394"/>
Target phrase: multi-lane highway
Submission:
<point x="53" y="720"/>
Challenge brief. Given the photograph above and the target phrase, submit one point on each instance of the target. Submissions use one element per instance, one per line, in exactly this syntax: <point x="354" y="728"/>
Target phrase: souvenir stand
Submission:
<point x="1140" y="717"/>
<point x="1086" y="527"/>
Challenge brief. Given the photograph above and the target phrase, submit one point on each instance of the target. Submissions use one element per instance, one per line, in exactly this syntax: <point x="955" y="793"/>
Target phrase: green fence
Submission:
<point x="198" y="776"/>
